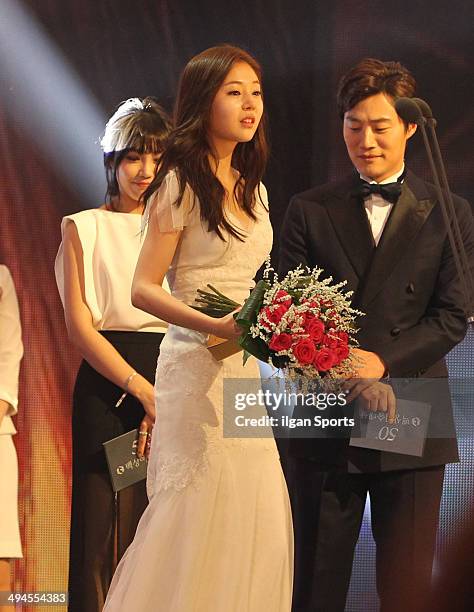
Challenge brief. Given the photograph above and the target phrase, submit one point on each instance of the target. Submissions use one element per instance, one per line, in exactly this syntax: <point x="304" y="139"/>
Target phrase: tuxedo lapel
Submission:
<point x="406" y="219"/>
<point x="351" y="225"/>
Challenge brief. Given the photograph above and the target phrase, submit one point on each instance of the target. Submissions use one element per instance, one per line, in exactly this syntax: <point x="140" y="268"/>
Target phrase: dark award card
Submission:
<point x="125" y="467"/>
<point x="406" y="436"/>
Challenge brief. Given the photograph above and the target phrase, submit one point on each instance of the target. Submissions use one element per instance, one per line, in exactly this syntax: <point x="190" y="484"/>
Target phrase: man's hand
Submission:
<point x="370" y="366"/>
<point x="373" y="396"/>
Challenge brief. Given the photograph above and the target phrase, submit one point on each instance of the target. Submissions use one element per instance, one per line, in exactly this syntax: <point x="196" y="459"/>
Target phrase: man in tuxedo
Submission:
<point x="380" y="229"/>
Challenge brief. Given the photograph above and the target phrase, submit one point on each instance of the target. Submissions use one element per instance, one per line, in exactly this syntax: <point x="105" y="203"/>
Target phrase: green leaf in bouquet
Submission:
<point x="245" y="357"/>
<point x="247" y="315"/>
<point x="255" y="347"/>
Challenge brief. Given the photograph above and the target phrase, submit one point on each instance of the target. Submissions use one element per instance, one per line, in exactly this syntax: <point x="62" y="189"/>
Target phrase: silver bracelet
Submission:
<point x="127" y="382"/>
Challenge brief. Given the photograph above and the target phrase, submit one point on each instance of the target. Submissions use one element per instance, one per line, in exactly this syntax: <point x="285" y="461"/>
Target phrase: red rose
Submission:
<point x="315" y="328"/>
<point x="330" y="341"/>
<point x="272" y="314"/>
<point x="342" y="352"/>
<point x="280" y="342"/>
<point x="343" y="337"/>
<point x="311" y="303"/>
<point x="282" y="296"/>
<point x="304" y="351"/>
<point x="262" y="317"/>
<point x="277" y="313"/>
<point x="307" y="317"/>
<point x="324" y="360"/>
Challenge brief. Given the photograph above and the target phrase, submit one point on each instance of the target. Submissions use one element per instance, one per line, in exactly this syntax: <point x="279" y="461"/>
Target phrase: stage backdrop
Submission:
<point x="65" y="65"/>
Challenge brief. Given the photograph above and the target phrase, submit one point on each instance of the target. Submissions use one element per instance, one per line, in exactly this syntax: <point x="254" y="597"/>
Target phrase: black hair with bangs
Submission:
<point x="138" y="124"/>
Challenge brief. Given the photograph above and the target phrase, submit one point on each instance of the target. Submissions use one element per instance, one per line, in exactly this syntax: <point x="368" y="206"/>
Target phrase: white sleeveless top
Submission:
<point x="11" y="348"/>
<point x="111" y="242"/>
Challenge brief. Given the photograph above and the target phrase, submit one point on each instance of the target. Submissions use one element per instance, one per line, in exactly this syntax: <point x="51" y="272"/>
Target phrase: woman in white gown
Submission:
<point x="217" y="534"/>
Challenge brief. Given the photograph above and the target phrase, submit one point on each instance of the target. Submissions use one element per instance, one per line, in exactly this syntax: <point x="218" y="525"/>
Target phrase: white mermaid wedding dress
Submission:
<point x="217" y="534"/>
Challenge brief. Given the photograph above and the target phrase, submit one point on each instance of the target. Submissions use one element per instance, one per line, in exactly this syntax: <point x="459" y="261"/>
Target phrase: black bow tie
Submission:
<point x="389" y="191"/>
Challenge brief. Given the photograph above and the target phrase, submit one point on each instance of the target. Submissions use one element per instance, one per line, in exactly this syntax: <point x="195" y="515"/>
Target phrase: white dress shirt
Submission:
<point x="378" y="210"/>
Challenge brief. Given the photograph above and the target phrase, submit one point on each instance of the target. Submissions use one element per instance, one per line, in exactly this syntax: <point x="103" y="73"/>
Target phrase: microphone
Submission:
<point x="425" y="109"/>
<point x="409" y="111"/>
<point x="416" y="110"/>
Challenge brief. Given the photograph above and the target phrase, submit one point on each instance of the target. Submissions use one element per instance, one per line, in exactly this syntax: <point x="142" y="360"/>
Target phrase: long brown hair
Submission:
<point x="187" y="149"/>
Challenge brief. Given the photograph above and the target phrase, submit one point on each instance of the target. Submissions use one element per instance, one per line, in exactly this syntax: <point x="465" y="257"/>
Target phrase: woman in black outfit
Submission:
<point x="119" y="343"/>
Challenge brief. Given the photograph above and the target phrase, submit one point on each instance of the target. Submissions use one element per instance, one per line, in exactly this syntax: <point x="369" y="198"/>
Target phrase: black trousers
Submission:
<point x="328" y="509"/>
<point x="103" y="524"/>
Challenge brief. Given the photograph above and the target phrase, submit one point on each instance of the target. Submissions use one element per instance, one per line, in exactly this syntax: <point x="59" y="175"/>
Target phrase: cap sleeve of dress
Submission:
<point x="262" y="195"/>
<point x="170" y="217"/>
<point x="86" y="226"/>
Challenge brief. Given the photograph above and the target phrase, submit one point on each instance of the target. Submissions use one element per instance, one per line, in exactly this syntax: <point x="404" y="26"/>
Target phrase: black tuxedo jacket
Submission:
<point x="407" y="286"/>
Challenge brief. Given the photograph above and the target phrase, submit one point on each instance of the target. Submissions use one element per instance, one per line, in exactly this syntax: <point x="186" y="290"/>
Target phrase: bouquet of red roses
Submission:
<point x="301" y="324"/>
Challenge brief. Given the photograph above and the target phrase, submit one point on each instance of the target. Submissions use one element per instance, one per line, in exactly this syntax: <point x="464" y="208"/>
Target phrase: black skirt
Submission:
<point x="102" y="524"/>
<point x="95" y="419"/>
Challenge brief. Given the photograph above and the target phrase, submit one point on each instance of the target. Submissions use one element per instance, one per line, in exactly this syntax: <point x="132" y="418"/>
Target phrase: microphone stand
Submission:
<point x="430" y="121"/>
<point x="418" y="111"/>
